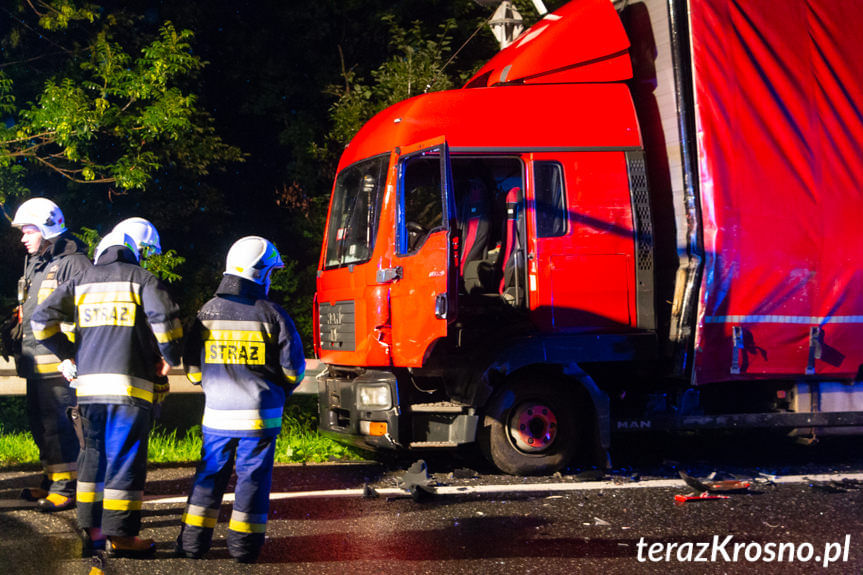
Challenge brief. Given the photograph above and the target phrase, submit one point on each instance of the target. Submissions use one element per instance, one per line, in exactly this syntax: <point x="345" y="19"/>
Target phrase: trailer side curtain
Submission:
<point x="779" y="121"/>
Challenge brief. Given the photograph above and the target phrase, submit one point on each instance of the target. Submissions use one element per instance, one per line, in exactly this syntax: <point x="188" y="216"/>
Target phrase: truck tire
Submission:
<point x="530" y="429"/>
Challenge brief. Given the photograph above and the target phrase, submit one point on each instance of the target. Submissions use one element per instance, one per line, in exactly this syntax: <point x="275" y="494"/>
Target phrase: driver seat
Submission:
<point x="475" y="233"/>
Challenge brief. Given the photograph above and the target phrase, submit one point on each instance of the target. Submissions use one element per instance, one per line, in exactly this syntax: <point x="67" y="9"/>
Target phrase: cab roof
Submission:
<point x="516" y="118"/>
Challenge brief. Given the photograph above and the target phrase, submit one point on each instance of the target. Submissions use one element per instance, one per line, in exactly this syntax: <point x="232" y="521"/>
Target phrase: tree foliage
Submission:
<point x="114" y="117"/>
<point x="416" y="66"/>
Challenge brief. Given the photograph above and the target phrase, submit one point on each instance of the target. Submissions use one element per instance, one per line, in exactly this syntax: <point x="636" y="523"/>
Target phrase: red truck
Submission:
<point x="639" y="215"/>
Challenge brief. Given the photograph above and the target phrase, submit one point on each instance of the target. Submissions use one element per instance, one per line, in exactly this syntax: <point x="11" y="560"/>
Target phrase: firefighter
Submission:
<point x="144" y="234"/>
<point x="53" y="256"/>
<point x="117" y="307"/>
<point x="146" y="238"/>
<point x="247" y="354"/>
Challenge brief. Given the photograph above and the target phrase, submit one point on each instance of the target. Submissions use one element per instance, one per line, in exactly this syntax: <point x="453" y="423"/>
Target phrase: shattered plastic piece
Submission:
<point x="598" y="521"/>
<point x="589" y="475"/>
<point x="704" y="496"/>
<point x="707" y="490"/>
<point x="464" y="473"/>
<point x="416" y="480"/>
<point x="833" y="486"/>
<point x="369" y="492"/>
<point x="724" y="486"/>
<point x="766" y="478"/>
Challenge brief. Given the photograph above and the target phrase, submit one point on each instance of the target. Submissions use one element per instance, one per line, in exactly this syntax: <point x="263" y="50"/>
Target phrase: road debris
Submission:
<point x="835" y="486"/>
<point x="463" y="473"/>
<point x="369" y="492"/>
<point x="705" y="490"/>
<point x="417" y="482"/>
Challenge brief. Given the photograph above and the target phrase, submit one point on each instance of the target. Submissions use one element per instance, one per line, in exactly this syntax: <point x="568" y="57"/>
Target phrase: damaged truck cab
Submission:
<point x="482" y="238"/>
<point x="490" y="270"/>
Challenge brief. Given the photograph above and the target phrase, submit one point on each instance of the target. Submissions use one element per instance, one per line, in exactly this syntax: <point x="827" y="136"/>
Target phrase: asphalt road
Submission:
<point x="476" y="521"/>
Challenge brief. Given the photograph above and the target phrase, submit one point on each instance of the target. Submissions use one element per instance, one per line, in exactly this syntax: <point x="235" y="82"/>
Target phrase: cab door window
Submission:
<point x="422" y="202"/>
<point x="551" y="213"/>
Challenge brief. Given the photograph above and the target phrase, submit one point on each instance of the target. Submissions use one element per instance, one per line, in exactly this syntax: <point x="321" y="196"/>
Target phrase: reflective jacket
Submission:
<point x="247" y="353"/>
<point x="117" y="307"/>
<point x="64" y="258"/>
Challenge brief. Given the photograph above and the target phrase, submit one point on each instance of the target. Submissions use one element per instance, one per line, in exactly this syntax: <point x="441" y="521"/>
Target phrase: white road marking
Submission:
<point x="518" y="488"/>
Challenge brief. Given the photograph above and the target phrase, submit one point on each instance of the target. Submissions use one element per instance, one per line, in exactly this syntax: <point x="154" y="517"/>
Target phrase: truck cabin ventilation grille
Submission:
<point x="641" y="210"/>
<point x="337" y="326"/>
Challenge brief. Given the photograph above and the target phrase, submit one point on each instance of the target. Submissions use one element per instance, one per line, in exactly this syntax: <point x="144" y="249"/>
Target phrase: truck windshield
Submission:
<point x="355" y="211"/>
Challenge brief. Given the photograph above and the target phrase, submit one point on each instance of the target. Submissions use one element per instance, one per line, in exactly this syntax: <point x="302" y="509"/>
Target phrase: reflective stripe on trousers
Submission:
<point x="112" y="469"/>
<point x="248" y="523"/>
<point x="52" y="430"/>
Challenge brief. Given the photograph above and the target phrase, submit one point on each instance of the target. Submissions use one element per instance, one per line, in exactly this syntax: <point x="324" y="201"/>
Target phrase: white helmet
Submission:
<point x="115" y="238"/>
<point x="143" y="233"/>
<point x="253" y="258"/>
<point x="42" y="213"/>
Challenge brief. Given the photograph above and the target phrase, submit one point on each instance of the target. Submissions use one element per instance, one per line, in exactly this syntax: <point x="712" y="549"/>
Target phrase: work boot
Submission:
<point x="92" y="542"/>
<point x="55" y="502"/>
<point x="132" y="547"/>
<point x="33" y="493"/>
<point x="248" y="558"/>
<point x="180" y="552"/>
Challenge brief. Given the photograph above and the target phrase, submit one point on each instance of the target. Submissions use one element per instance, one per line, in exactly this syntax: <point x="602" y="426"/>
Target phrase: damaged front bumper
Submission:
<point x="359" y="407"/>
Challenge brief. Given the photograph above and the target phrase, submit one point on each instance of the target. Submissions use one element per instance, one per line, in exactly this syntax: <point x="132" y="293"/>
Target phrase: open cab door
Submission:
<point x="422" y="297"/>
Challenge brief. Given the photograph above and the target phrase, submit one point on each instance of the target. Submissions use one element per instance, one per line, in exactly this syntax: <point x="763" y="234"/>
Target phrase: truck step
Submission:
<point x="438" y="407"/>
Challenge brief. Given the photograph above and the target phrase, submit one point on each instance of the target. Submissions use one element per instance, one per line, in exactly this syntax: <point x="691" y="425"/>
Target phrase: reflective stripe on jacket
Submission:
<point x="64" y="258"/>
<point x="118" y="308"/>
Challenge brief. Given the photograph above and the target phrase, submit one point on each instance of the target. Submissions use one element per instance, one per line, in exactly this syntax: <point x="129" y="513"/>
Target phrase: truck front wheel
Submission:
<point x="530" y="429"/>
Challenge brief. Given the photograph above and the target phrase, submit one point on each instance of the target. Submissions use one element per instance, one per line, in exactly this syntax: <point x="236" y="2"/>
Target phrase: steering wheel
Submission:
<point x="415" y="228"/>
<point x="415" y="232"/>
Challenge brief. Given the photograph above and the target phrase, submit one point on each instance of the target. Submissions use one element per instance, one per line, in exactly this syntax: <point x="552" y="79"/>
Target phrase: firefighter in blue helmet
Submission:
<point x="53" y="256"/>
<point x="247" y="354"/>
<point x="118" y="308"/>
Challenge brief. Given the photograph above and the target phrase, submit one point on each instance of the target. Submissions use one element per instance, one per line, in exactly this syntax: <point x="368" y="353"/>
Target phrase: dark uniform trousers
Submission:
<point x="48" y="400"/>
<point x="112" y="468"/>
<point x="254" y="465"/>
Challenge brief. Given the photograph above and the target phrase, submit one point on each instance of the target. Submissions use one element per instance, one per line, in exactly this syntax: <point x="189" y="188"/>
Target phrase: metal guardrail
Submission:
<point x="11" y="384"/>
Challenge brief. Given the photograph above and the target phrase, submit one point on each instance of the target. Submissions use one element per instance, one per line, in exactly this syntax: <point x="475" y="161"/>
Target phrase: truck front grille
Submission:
<point x="337" y="326"/>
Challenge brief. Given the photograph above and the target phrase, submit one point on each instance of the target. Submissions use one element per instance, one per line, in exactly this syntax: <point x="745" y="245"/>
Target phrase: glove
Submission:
<point x="69" y="370"/>
<point x="10" y="336"/>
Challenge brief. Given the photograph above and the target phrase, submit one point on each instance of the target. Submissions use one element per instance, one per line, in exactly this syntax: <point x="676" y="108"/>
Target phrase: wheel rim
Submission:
<point x="533" y="427"/>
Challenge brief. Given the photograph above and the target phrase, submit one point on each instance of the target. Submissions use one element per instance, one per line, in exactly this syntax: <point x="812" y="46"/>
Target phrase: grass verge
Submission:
<point x="299" y="441"/>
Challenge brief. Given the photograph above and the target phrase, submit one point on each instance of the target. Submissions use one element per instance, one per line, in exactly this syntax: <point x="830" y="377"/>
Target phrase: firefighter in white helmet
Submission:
<point x="247" y="354"/>
<point x="143" y="233"/>
<point x="53" y="257"/>
<point x="146" y="238"/>
<point x="118" y="308"/>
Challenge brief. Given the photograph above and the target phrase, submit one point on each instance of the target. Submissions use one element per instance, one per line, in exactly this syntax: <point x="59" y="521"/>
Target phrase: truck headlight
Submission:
<point x="374" y="397"/>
